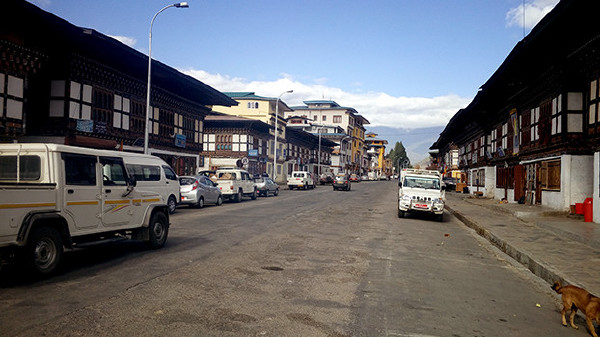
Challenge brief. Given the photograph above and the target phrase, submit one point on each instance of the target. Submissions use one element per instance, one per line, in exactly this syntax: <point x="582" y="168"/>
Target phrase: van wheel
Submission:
<point x="172" y="204"/>
<point x="253" y="196"/>
<point x="400" y="214"/>
<point x="158" y="230"/>
<point x="44" y="251"/>
<point x="219" y="201"/>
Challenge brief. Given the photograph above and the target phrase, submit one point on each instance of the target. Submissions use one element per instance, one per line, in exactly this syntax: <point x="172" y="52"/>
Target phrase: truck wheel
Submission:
<point x="158" y="230"/>
<point x="290" y="187"/>
<point x="440" y="217"/>
<point x="400" y="214"/>
<point x="253" y="196"/>
<point x="172" y="203"/>
<point x="238" y="196"/>
<point x="44" y="251"/>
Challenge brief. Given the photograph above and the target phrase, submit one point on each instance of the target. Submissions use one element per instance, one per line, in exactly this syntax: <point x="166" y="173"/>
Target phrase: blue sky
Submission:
<point x="401" y="63"/>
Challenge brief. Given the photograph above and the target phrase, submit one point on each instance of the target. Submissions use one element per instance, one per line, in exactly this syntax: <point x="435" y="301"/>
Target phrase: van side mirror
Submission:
<point x="132" y="181"/>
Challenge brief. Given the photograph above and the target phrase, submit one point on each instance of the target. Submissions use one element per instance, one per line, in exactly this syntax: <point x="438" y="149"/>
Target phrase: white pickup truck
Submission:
<point x="421" y="191"/>
<point x="54" y="197"/>
<point x="300" y="179"/>
<point x="235" y="183"/>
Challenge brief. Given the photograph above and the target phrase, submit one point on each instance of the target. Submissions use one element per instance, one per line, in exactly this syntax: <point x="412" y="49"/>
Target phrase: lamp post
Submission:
<point x="146" y="131"/>
<point x="275" y="133"/>
<point x="319" y="160"/>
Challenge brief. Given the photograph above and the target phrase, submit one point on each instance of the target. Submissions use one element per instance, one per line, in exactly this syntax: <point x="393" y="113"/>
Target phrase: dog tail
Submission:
<point x="557" y="287"/>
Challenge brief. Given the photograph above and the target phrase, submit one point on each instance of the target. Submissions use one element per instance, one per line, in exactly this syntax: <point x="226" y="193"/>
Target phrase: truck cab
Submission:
<point x="421" y="191"/>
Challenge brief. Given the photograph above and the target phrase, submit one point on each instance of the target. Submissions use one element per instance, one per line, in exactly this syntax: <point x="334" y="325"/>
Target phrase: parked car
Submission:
<point x="354" y="178"/>
<point x="198" y="191"/>
<point x="326" y="178"/>
<point x="266" y="185"/>
<point x="341" y="182"/>
<point x="450" y="183"/>
<point x="300" y="179"/>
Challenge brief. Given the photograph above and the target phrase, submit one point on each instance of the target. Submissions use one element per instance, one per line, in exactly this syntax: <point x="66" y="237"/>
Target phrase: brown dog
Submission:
<point x="577" y="298"/>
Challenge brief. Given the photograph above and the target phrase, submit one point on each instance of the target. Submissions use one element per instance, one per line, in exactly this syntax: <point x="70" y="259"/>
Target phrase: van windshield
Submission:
<point x="422" y="182"/>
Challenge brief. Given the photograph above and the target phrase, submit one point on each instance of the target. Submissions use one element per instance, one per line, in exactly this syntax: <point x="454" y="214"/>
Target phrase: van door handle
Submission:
<point x="108" y="191"/>
<point x="70" y="191"/>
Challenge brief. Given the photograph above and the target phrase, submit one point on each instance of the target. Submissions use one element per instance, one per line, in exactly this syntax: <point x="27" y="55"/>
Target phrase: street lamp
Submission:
<point x="178" y="5"/>
<point x="275" y="132"/>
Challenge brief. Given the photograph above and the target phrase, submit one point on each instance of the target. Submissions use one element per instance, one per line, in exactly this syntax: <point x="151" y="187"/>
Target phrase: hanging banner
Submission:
<point x="514" y="121"/>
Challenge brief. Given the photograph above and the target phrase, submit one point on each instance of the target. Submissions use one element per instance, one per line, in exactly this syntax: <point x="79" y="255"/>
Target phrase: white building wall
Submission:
<point x="490" y="181"/>
<point x="576" y="183"/>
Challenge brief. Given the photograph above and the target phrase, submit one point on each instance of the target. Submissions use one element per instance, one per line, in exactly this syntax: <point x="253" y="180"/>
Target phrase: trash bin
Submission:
<point x="579" y="208"/>
<point x="588" y="210"/>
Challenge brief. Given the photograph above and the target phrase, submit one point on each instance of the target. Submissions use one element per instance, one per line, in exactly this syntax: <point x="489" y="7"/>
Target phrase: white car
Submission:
<point x="198" y="191"/>
<point x="300" y="179"/>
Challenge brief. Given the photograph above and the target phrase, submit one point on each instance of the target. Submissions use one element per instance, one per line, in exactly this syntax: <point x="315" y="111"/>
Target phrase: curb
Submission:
<point x="539" y="269"/>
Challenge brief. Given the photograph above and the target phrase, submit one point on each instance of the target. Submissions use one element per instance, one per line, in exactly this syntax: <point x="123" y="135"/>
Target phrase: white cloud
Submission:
<point x="534" y="11"/>
<point x="379" y="108"/>
<point x="128" y="41"/>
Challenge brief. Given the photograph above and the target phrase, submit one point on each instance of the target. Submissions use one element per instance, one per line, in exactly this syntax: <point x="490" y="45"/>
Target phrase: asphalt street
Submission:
<point x="304" y="263"/>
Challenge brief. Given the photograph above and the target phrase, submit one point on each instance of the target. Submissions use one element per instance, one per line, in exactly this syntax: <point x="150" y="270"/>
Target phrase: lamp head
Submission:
<point x="181" y="5"/>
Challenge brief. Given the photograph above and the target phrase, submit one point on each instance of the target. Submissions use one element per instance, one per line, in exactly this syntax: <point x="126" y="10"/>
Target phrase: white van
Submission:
<point x="155" y="175"/>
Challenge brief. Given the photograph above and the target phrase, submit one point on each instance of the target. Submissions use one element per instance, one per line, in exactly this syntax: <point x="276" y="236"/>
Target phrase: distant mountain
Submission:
<point x="416" y="141"/>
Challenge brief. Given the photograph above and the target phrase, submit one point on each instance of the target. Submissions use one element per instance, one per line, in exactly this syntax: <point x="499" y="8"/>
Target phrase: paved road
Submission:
<point x="305" y="263"/>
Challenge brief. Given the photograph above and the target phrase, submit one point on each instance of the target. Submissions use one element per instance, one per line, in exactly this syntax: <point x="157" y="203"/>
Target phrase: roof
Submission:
<point x="60" y="40"/>
<point x="247" y="95"/>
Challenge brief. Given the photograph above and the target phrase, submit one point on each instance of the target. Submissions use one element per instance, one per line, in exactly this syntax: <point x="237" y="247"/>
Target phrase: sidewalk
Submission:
<point x="555" y="246"/>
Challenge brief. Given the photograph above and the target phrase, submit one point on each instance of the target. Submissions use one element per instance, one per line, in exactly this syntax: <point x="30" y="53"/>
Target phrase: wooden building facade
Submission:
<point x="532" y="132"/>
<point x="66" y="84"/>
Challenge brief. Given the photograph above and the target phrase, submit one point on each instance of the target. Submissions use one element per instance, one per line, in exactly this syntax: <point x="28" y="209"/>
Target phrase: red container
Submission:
<point x="588" y="210"/>
<point x="579" y="208"/>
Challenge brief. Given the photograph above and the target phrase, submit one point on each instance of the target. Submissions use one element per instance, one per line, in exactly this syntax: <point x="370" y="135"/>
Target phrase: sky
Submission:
<point x="402" y="64"/>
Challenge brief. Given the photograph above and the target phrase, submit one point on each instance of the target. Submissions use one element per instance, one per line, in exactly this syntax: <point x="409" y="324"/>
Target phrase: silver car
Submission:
<point x="198" y="191"/>
<point x="266" y="185"/>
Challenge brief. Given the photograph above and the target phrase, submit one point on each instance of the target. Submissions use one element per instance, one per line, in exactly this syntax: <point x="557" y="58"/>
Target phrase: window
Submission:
<point x="324" y="118"/>
<point x="252" y="105"/>
<point x="12" y="93"/>
<point x="80" y="169"/>
<point x="504" y="136"/>
<point x="550" y="175"/>
<point x="144" y="172"/>
<point x="556" y="115"/>
<point x="535" y="120"/>
<point x="29" y="168"/>
<point x="113" y="171"/>
<point x="337" y="119"/>
<point x="169" y="173"/>
<point x="594" y="107"/>
<point x="493" y="140"/>
<point x="122" y="108"/>
<point x="504" y="177"/>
